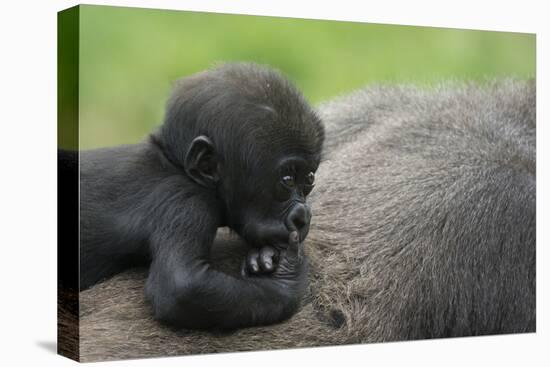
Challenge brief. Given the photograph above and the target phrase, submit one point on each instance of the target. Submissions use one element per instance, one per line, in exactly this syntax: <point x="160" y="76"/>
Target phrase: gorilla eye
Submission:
<point x="288" y="180"/>
<point x="310" y="178"/>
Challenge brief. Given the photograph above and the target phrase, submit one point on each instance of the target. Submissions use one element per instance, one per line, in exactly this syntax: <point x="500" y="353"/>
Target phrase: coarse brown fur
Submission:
<point x="424" y="227"/>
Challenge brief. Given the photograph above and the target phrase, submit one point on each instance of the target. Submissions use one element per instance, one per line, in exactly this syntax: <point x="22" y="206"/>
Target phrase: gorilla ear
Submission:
<point x="201" y="164"/>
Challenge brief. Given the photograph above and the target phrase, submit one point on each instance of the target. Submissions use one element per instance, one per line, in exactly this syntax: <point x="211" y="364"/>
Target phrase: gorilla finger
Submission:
<point x="252" y="261"/>
<point x="293" y="238"/>
<point x="267" y="258"/>
<point x="293" y="242"/>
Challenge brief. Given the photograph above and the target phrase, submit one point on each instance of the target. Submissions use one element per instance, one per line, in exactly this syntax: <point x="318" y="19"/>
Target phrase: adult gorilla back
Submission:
<point x="428" y="202"/>
<point x="424" y="227"/>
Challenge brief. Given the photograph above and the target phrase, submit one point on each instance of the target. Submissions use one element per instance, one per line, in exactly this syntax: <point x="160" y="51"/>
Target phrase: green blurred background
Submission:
<point x="130" y="57"/>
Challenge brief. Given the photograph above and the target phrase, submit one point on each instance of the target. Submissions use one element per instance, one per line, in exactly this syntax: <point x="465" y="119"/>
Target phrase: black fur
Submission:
<point x="229" y="136"/>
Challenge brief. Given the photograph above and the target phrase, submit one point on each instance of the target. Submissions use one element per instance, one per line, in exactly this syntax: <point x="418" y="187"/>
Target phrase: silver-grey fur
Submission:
<point x="424" y="227"/>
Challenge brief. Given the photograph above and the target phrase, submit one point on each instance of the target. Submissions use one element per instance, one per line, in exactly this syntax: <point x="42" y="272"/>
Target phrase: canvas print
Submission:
<point x="234" y="183"/>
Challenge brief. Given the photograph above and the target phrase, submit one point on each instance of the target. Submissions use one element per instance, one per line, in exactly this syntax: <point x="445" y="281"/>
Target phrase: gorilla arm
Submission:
<point x="186" y="291"/>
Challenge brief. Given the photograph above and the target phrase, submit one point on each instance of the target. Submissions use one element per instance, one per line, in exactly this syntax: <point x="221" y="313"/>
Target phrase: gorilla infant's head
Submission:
<point x="246" y="135"/>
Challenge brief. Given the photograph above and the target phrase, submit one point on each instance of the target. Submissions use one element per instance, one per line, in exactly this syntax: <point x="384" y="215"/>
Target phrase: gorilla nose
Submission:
<point x="298" y="217"/>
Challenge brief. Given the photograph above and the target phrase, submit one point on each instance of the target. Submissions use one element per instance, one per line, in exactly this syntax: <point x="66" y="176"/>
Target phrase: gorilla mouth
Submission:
<point x="279" y="241"/>
<point x="258" y="236"/>
<point x="259" y="243"/>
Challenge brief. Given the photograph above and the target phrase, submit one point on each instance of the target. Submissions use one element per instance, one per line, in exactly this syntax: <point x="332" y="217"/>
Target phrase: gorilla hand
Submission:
<point x="260" y="261"/>
<point x="266" y="259"/>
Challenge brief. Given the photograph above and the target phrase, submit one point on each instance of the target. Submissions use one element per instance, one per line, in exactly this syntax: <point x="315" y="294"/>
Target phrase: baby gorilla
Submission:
<point x="238" y="148"/>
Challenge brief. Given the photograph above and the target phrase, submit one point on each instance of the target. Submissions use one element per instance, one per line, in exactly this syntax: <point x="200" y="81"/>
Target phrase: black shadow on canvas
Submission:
<point x="67" y="176"/>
